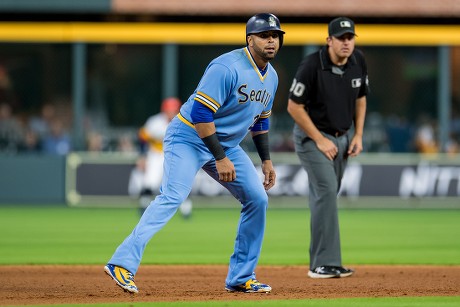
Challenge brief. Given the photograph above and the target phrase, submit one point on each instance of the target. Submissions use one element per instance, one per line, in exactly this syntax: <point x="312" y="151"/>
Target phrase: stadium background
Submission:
<point x="107" y="65"/>
<point x="113" y="61"/>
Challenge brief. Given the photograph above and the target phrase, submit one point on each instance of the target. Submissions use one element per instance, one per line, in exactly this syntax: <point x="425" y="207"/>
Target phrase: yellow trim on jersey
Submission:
<point x="266" y="114"/>
<point x="254" y="65"/>
<point x="208" y="101"/>
<point x="185" y="121"/>
<point x="211" y="107"/>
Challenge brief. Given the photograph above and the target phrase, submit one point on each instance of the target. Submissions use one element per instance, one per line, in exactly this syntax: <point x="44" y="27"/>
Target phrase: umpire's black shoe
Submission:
<point x="324" y="272"/>
<point x="344" y="272"/>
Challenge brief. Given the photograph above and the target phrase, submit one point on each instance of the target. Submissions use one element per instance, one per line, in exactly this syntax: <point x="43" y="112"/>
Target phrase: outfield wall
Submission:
<point x="32" y="179"/>
<point x="92" y="179"/>
<point x="102" y="179"/>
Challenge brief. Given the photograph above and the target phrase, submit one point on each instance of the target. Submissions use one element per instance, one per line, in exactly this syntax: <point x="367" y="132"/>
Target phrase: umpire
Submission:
<point x="327" y="101"/>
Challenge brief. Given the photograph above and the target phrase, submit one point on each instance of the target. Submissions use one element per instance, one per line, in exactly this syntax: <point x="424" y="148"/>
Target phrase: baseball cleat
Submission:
<point x="122" y="277"/>
<point x="344" y="272"/>
<point x="251" y="286"/>
<point x="324" y="272"/>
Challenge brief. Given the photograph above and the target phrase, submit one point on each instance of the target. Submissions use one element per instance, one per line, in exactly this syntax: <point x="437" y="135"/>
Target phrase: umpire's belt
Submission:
<point x="335" y="133"/>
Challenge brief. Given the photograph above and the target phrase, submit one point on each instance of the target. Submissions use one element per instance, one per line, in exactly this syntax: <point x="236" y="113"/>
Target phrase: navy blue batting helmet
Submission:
<point x="264" y="22"/>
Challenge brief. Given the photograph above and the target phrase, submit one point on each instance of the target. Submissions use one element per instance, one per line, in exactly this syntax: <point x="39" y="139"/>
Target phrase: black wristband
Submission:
<point x="262" y="146"/>
<point x="213" y="144"/>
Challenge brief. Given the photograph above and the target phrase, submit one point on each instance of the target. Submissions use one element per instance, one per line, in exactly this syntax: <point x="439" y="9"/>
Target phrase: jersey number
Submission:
<point x="297" y="88"/>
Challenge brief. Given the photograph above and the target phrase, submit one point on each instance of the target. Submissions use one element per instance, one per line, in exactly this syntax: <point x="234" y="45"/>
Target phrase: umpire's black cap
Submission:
<point x="341" y="26"/>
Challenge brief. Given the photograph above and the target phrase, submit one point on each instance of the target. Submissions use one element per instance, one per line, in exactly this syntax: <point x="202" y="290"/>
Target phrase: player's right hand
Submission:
<point x="226" y="170"/>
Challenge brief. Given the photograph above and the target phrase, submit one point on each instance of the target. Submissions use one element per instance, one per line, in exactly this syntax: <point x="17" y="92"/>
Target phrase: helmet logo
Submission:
<point x="271" y="21"/>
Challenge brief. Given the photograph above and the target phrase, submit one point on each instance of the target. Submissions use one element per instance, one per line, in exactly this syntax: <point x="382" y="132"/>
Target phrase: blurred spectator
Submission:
<point x="31" y="143"/>
<point x="57" y="142"/>
<point x="94" y="142"/>
<point x="399" y="134"/>
<point x="425" y="137"/>
<point x="40" y="124"/>
<point x="455" y="124"/>
<point x="452" y="146"/>
<point x="375" y="138"/>
<point x="11" y="130"/>
<point x="126" y="145"/>
<point x="7" y="92"/>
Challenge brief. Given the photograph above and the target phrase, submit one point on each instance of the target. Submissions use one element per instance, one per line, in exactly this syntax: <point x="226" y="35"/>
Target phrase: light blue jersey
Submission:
<point x="234" y="89"/>
<point x="236" y="92"/>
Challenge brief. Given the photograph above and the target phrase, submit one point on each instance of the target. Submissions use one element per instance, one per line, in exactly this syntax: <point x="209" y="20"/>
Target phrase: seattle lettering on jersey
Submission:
<point x="261" y="96"/>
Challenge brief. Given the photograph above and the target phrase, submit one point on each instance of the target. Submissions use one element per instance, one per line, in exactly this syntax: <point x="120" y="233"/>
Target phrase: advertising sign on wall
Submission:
<point x="422" y="178"/>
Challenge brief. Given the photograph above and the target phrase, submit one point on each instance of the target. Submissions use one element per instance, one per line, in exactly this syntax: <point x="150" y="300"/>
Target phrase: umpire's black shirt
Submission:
<point x="329" y="92"/>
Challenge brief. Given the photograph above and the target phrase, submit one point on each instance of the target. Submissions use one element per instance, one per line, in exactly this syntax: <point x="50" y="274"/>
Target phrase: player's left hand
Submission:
<point x="269" y="174"/>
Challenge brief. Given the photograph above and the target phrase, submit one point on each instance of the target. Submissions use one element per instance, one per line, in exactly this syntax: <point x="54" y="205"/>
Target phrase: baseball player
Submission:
<point x="145" y="179"/>
<point x="327" y="97"/>
<point x="234" y="97"/>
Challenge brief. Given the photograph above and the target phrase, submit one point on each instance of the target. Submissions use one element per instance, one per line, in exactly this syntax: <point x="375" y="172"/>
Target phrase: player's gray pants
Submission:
<point x="324" y="178"/>
<point x="185" y="155"/>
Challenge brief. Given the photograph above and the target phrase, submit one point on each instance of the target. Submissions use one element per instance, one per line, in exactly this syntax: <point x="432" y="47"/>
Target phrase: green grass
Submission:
<point x="61" y="235"/>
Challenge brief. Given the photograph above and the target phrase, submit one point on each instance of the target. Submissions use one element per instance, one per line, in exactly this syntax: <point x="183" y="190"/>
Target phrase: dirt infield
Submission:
<point x="65" y="284"/>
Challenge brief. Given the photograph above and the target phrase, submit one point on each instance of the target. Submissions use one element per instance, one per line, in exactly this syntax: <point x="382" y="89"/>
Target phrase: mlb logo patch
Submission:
<point x="345" y="24"/>
<point x="355" y="83"/>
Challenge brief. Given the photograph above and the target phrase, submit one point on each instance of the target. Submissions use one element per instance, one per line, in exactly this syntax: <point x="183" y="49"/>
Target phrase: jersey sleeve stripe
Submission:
<point x="209" y="101"/>
<point x="266" y="114"/>
<point x="205" y="102"/>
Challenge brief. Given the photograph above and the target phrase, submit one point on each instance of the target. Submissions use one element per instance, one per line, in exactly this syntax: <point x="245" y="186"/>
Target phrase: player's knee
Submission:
<point x="173" y="199"/>
<point x="261" y="200"/>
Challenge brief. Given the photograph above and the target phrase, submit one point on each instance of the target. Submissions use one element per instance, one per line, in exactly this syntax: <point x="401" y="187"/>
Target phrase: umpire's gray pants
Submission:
<point x="324" y="183"/>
